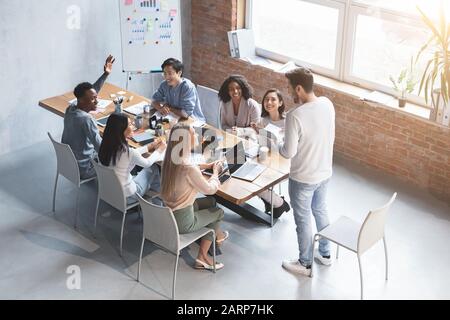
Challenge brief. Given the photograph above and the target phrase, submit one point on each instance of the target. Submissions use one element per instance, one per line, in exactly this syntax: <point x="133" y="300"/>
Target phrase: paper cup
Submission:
<point x="263" y="153"/>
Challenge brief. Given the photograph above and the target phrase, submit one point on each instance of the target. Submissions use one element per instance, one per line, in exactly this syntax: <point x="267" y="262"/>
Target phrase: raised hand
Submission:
<point x="108" y="64"/>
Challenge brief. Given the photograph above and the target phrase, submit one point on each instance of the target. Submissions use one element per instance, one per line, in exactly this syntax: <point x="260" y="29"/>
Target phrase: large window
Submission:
<point x="294" y="31"/>
<point x="362" y="42"/>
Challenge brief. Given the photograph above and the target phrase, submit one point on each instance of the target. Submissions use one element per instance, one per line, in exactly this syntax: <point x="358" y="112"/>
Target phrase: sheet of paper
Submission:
<point x="136" y="109"/>
<point x="101" y="106"/>
<point x="170" y="116"/>
<point x="198" y="123"/>
<point x="376" y="96"/>
<point x="273" y="129"/>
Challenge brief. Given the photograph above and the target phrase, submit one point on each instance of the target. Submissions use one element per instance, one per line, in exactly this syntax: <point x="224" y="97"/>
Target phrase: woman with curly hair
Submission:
<point x="238" y="109"/>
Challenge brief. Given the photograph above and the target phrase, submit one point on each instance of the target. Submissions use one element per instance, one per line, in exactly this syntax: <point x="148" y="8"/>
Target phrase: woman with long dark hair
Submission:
<point x="238" y="109"/>
<point x="181" y="182"/>
<point x="273" y="113"/>
<point x="114" y="152"/>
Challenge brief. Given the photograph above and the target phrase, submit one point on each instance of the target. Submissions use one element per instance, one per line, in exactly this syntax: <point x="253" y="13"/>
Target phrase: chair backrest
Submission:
<point x="209" y="100"/>
<point x="372" y="229"/>
<point x="67" y="164"/>
<point x="160" y="226"/>
<point x="109" y="187"/>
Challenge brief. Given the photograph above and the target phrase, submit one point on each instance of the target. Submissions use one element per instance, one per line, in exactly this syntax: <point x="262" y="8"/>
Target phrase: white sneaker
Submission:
<point x="323" y="260"/>
<point x="295" y="266"/>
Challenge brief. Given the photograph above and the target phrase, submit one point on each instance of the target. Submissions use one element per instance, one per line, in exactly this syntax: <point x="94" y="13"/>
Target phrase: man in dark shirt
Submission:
<point x="80" y="128"/>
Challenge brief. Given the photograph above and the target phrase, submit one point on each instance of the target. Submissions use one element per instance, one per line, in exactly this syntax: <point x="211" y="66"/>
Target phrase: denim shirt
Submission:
<point x="183" y="96"/>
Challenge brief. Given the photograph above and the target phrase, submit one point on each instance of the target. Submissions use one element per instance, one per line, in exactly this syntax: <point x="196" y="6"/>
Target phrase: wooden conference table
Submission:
<point x="234" y="193"/>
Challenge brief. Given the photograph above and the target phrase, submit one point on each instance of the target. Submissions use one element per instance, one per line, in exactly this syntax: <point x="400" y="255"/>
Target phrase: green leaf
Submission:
<point x="394" y="83"/>
<point x="425" y="73"/>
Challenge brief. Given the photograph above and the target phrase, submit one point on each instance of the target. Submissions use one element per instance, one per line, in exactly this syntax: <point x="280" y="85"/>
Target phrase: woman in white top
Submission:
<point x="273" y="113"/>
<point x="181" y="182"/>
<point x="238" y="109"/>
<point x="115" y="152"/>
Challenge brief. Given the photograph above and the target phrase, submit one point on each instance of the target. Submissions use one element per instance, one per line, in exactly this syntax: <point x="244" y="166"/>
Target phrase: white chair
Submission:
<point x="357" y="237"/>
<point x="111" y="191"/>
<point x="209" y="100"/>
<point x="161" y="229"/>
<point x="67" y="166"/>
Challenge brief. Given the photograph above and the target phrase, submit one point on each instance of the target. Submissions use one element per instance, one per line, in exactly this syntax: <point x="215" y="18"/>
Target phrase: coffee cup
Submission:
<point x="263" y="153"/>
<point x="138" y="122"/>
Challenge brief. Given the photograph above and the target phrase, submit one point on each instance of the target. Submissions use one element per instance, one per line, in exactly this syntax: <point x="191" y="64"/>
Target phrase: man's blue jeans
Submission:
<point x="307" y="199"/>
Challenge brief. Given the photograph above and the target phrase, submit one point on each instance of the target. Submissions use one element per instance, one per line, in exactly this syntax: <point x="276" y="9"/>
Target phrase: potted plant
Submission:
<point x="405" y="83"/>
<point x="436" y="77"/>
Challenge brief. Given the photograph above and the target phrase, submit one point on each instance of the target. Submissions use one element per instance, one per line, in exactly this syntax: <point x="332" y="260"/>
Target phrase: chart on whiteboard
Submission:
<point x="150" y="33"/>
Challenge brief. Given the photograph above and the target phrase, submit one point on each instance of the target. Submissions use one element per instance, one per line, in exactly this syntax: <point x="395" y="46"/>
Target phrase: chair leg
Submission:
<point x="121" y="231"/>
<point x="279" y="188"/>
<point x="96" y="215"/>
<point x="385" y="256"/>
<point x="76" y="209"/>
<point x="175" y="276"/>
<point x="337" y="251"/>
<point x="140" y="259"/>
<point x="316" y="238"/>
<point x="271" y="207"/>
<point x="360" y="276"/>
<point x="54" y="192"/>
<point x="214" y="250"/>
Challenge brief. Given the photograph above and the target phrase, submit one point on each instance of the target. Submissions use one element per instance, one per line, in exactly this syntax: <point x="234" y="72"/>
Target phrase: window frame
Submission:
<point x="348" y="12"/>
<point x="279" y="57"/>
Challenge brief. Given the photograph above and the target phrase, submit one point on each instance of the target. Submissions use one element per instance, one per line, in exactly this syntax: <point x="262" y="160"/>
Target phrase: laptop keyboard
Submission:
<point x="248" y="169"/>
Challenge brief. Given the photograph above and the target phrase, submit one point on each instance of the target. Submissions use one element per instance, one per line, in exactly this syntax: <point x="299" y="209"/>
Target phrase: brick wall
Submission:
<point x="413" y="149"/>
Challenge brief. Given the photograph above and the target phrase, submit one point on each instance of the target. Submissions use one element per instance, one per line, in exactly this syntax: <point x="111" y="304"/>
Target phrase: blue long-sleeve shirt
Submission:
<point x="81" y="133"/>
<point x="183" y="96"/>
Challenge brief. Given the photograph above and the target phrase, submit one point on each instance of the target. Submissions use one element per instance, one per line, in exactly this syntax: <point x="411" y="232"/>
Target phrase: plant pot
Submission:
<point x="401" y="102"/>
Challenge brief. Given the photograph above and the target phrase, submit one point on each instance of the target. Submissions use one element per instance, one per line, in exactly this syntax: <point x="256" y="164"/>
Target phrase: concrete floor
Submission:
<point x="37" y="247"/>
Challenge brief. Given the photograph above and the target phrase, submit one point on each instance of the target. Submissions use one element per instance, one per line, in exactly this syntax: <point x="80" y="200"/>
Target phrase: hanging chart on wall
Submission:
<point x="150" y="33"/>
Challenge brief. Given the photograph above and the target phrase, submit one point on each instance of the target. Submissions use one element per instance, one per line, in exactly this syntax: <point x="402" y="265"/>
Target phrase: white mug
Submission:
<point x="263" y="153"/>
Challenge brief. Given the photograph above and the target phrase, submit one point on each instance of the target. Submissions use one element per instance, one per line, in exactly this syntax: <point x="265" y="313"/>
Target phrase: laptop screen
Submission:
<point x="236" y="155"/>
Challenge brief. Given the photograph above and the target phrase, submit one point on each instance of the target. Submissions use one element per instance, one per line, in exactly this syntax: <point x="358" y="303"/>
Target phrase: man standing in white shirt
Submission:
<point x="309" y="139"/>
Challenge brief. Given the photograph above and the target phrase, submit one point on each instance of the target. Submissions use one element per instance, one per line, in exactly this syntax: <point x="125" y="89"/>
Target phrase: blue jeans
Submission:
<point x="307" y="199"/>
<point x="146" y="179"/>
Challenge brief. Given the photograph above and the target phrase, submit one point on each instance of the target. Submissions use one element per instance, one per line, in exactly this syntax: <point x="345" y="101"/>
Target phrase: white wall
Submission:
<point x="41" y="57"/>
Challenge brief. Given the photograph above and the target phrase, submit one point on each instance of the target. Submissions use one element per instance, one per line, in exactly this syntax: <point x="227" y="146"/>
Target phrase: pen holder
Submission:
<point x="159" y="130"/>
<point x="118" y="104"/>
<point x="138" y="122"/>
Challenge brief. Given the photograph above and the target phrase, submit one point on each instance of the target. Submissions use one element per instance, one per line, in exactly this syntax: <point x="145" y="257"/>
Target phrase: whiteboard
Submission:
<point x="150" y="33"/>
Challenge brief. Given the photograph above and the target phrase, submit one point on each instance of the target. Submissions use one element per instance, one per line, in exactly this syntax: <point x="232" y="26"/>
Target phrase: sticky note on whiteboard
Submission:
<point x="173" y="13"/>
<point x="128" y="2"/>
<point x="164" y="5"/>
<point x="150" y="25"/>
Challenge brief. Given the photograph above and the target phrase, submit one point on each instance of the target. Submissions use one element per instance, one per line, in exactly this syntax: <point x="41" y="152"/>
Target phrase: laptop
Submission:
<point x="248" y="171"/>
<point x="239" y="167"/>
<point x="143" y="138"/>
<point x="207" y="137"/>
<point x="102" y="121"/>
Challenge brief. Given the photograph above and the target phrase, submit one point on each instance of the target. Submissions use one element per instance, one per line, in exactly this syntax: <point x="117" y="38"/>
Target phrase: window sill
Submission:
<point x="339" y="87"/>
